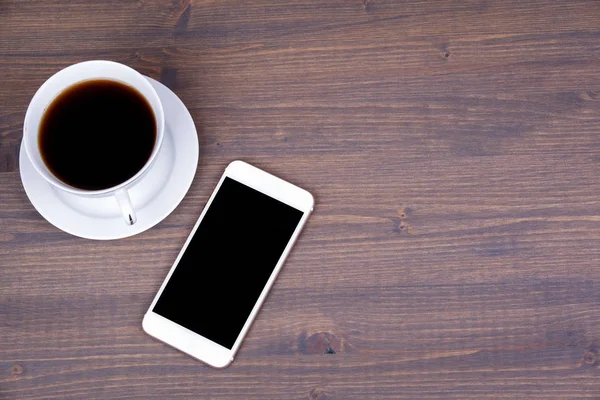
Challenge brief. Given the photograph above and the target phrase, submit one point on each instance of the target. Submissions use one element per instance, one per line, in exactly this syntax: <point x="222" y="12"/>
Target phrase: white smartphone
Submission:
<point x="227" y="265"/>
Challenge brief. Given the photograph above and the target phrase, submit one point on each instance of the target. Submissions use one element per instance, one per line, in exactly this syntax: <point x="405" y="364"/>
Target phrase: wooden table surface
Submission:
<point x="453" y="148"/>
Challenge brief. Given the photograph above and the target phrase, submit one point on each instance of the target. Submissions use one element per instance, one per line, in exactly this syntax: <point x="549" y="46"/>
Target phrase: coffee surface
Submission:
<point x="97" y="134"/>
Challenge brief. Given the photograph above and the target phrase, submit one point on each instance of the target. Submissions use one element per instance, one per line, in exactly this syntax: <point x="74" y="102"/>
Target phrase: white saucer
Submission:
<point x="154" y="196"/>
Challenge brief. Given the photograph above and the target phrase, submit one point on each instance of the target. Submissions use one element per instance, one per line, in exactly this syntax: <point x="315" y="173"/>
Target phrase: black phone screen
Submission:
<point x="229" y="260"/>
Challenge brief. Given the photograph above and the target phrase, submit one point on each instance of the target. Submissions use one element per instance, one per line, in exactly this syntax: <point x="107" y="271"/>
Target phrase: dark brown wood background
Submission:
<point x="453" y="148"/>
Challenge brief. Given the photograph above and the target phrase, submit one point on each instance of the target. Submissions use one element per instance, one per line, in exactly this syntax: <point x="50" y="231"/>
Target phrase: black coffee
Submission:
<point x="97" y="134"/>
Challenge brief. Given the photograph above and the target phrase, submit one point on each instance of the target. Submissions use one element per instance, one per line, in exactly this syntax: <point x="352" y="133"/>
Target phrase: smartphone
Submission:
<point x="228" y="264"/>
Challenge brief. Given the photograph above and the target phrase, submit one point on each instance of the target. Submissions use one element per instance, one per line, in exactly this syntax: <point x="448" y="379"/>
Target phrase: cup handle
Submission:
<point x="125" y="205"/>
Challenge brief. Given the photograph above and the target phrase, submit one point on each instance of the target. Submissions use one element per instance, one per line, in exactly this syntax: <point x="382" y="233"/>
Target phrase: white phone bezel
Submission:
<point x="190" y="342"/>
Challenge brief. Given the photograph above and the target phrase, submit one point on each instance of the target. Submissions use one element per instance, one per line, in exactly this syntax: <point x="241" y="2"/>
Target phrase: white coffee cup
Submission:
<point x="62" y="80"/>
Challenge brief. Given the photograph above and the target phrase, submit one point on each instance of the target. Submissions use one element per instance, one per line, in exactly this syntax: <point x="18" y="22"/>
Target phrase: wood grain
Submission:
<point x="453" y="148"/>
